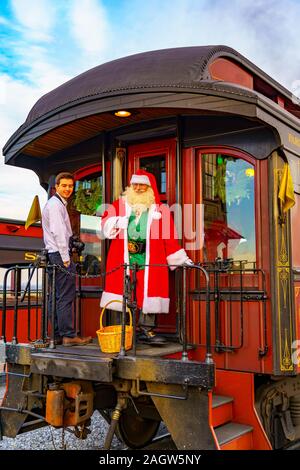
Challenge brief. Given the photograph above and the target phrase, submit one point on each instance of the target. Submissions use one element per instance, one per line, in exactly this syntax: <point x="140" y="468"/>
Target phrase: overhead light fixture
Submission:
<point x="122" y="113"/>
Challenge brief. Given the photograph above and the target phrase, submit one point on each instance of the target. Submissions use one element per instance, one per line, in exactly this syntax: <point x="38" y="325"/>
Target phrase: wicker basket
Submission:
<point x="109" y="337"/>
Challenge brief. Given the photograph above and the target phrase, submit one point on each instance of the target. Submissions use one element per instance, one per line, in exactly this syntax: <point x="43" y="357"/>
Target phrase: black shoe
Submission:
<point x="149" y="337"/>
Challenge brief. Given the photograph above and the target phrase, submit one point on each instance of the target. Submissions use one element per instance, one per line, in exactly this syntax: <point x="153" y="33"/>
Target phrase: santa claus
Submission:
<point x="142" y="232"/>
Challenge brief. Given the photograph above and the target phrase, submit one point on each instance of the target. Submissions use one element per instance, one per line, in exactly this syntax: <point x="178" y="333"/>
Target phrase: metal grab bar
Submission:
<point x="18" y="302"/>
<point x="49" y="276"/>
<point x="225" y="269"/>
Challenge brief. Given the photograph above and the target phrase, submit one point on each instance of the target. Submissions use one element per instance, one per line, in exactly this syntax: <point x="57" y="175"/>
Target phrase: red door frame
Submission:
<point x="87" y="171"/>
<point x="167" y="147"/>
<point x="192" y="171"/>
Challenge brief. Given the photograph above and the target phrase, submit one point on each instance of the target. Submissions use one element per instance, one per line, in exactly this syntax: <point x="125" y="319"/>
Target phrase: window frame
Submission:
<point x="80" y="174"/>
<point x="236" y="153"/>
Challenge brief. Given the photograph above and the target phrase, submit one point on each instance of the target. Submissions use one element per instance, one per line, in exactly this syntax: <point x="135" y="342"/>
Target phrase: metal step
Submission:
<point x="222" y="410"/>
<point x="219" y="400"/>
<point x="231" y="431"/>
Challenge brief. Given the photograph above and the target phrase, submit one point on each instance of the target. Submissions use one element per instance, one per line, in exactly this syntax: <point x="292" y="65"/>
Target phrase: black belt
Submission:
<point x="136" y="247"/>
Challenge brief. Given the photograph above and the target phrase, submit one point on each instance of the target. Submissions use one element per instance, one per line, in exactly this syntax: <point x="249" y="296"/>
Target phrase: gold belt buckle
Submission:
<point x="133" y="247"/>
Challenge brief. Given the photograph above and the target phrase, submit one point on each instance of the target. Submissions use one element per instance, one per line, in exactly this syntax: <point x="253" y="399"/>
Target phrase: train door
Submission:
<point x="223" y="190"/>
<point x="159" y="158"/>
<point x="85" y="211"/>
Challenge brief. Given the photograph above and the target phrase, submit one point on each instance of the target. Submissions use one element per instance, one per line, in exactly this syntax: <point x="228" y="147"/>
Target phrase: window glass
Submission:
<point x="157" y="166"/>
<point x="229" y="214"/>
<point x="87" y="200"/>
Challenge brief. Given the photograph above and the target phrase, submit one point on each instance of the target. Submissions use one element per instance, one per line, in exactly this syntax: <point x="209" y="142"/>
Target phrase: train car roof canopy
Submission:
<point x="178" y="67"/>
<point x="176" y="70"/>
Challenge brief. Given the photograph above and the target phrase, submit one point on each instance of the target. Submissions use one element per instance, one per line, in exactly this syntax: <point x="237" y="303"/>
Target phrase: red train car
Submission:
<point x="222" y="138"/>
<point x="18" y="245"/>
<point x="21" y="247"/>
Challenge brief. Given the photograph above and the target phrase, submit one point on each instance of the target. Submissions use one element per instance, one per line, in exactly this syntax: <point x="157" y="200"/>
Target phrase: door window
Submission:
<point x="157" y="166"/>
<point x="87" y="200"/>
<point x="229" y="211"/>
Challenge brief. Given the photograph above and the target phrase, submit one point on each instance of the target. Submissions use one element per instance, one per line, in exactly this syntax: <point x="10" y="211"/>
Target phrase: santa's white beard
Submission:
<point x="140" y="202"/>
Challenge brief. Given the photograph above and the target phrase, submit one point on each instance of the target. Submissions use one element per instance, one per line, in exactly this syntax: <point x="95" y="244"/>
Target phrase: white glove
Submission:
<point x="122" y="223"/>
<point x="188" y="262"/>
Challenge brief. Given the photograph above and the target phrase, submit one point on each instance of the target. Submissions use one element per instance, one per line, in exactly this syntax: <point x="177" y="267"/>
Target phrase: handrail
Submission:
<point x="18" y="302"/>
<point x="49" y="275"/>
<point x="239" y="293"/>
<point x="208" y="358"/>
<point x="3" y="335"/>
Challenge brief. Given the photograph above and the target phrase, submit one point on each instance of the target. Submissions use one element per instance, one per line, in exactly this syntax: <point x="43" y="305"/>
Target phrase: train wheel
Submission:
<point x="136" y="431"/>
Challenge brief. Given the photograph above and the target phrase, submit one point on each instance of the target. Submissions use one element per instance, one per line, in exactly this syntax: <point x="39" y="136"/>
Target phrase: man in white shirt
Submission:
<point x="57" y="232"/>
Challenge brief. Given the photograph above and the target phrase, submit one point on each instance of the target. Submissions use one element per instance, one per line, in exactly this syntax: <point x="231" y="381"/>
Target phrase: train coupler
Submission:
<point x="69" y="403"/>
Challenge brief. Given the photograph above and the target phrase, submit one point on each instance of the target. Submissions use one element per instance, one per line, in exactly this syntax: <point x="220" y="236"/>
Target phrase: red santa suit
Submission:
<point x="162" y="247"/>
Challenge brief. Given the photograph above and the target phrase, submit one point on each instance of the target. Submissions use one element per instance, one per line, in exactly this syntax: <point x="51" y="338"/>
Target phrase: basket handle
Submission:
<point x="105" y="307"/>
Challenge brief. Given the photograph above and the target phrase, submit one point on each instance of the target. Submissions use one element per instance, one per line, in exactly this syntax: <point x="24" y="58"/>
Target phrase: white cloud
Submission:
<point x="89" y="26"/>
<point x="38" y="68"/>
<point x="265" y="31"/>
<point x="36" y="16"/>
<point x="46" y="35"/>
<point x="17" y="186"/>
<point x="3" y="20"/>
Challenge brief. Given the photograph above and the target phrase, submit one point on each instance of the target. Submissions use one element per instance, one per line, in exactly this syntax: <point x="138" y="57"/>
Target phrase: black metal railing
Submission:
<point x="129" y="300"/>
<point x="232" y="283"/>
<point x="14" y="299"/>
<point x="216" y="284"/>
<point x="42" y="284"/>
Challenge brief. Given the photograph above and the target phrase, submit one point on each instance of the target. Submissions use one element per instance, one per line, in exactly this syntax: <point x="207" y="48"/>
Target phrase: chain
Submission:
<point x="85" y="276"/>
<point x="105" y="273"/>
<point x="63" y="443"/>
<point x="52" y="438"/>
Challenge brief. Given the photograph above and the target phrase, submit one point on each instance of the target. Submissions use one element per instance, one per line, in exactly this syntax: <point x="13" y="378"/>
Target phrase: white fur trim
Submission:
<point x="126" y="254"/>
<point x="122" y="222"/>
<point x="108" y="297"/>
<point x="156" y="305"/>
<point x="110" y="229"/>
<point x="156" y="215"/>
<point x="178" y="258"/>
<point x="140" y="179"/>
<point x="152" y="304"/>
<point x="146" y="275"/>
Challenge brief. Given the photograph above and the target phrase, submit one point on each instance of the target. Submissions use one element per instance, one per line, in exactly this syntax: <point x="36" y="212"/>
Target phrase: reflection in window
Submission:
<point x="88" y="195"/>
<point x="88" y="199"/>
<point x="229" y="218"/>
<point x="157" y="166"/>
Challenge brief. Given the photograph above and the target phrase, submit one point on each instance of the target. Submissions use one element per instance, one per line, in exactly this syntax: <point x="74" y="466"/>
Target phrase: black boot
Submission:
<point x="147" y="335"/>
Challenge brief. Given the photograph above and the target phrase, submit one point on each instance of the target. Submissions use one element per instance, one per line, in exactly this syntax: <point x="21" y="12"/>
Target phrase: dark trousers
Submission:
<point x="146" y="320"/>
<point x="65" y="293"/>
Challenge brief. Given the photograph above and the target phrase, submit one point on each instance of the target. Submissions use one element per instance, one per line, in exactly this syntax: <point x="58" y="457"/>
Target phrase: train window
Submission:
<point x="87" y="200"/>
<point x="157" y="166"/>
<point x="229" y="216"/>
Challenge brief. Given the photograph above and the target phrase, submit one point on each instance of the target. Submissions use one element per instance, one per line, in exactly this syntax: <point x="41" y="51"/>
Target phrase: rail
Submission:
<point x="228" y="284"/>
<point x="12" y="298"/>
<point x="42" y="283"/>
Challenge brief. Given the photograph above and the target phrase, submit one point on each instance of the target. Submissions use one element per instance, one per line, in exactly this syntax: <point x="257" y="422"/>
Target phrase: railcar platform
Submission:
<point x="149" y="363"/>
<point x="93" y="349"/>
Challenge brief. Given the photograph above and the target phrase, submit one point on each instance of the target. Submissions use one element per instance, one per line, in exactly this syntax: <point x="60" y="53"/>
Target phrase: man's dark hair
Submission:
<point x="64" y="175"/>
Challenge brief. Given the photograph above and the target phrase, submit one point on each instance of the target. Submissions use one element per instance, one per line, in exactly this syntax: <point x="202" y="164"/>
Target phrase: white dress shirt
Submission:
<point x="57" y="227"/>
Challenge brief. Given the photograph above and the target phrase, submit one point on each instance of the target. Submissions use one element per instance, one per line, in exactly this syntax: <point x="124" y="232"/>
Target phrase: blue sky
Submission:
<point x="46" y="42"/>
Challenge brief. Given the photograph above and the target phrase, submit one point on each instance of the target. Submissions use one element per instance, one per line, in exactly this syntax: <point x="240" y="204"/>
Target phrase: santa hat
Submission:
<point x="144" y="177"/>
